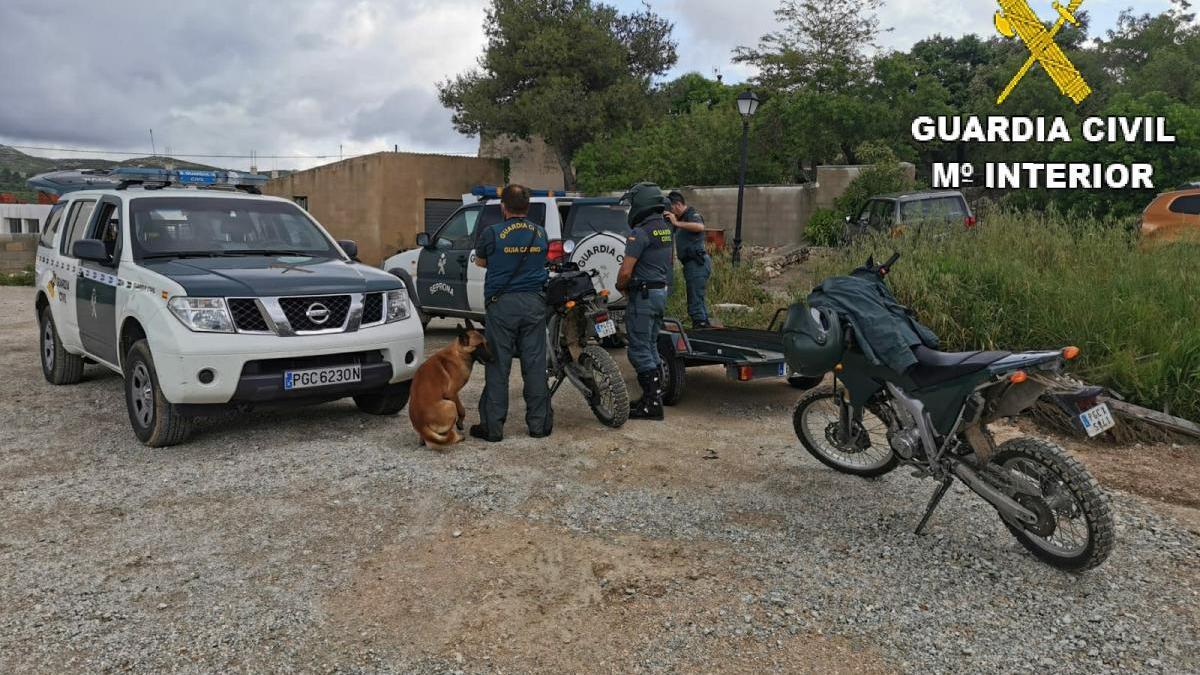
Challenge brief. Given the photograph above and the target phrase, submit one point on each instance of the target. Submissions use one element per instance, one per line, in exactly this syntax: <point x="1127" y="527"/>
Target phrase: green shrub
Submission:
<point x="885" y="175"/>
<point x="23" y="278"/>
<point x="1041" y="280"/>
<point x="825" y="228"/>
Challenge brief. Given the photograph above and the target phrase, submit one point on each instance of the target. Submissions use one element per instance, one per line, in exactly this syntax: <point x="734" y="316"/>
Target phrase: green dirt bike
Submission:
<point x="934" y="417"/>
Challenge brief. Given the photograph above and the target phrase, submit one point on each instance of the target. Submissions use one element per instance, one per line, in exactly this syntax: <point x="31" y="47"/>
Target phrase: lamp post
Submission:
<point x="747" y="104"/>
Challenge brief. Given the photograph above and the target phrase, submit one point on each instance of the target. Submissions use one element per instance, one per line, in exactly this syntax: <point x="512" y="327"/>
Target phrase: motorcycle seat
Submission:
<point x="934" y="367"/>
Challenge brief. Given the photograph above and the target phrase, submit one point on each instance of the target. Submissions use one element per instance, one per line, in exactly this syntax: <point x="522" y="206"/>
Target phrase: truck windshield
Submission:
<point x="166" y="227"/>
<point x="586" y="219"/>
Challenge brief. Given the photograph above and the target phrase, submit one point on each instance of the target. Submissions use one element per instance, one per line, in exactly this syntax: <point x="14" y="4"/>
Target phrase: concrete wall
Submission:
<point x="379" y="200"/>
<point x="772" y="215"/>
<point x="17" y="252"/>
<point x="531" y="163"/>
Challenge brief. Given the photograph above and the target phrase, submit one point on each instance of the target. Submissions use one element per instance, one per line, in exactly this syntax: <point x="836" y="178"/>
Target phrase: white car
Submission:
<point x="446" y="282"/>
<point x="214" y="297"/>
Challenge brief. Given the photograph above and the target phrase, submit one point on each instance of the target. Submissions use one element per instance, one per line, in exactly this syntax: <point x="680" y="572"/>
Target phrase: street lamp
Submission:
<point x="747" y="104"/>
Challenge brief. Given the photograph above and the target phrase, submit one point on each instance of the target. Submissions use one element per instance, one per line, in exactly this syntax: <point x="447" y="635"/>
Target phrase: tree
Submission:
<point x="821" y="46"/>
<point x="565" y="70"/>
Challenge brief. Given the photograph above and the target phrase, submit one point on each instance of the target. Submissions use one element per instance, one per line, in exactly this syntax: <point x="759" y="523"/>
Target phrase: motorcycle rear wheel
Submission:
<point x="816" y="423"/>
<point x="609" y="399"/>
<point x="1082" y="532"/>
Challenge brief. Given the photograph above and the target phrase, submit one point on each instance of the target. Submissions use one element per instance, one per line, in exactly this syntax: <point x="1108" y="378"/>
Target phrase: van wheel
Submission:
<point x="387" y="401"/>
<point x="155" y="420"/>
<point x="58" y="365"/>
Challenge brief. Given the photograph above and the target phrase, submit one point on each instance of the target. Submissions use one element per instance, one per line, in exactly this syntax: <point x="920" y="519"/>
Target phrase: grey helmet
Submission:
<point x="644" y="199"/>
<point x="813" y="339"/>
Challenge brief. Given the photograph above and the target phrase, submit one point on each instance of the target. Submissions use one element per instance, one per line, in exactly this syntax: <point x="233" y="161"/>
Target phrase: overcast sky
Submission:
<point x="304" y="77"/>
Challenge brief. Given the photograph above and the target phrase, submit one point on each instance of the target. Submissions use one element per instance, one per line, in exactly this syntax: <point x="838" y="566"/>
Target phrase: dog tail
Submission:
<point x="432" y="437"/>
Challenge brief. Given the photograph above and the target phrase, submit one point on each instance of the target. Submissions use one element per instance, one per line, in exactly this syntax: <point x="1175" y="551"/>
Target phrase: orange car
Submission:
<point x="1172" y="216"/>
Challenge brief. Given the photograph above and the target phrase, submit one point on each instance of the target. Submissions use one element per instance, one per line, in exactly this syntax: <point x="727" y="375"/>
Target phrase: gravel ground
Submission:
<point x="324" y="540"/>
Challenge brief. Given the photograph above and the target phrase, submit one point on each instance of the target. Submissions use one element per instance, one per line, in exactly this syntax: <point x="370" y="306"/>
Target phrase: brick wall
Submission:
<point x="17" y="252"/>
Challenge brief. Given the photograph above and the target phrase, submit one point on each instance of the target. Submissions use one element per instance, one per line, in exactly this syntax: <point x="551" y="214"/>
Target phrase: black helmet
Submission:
<point x="644" y="199"/>
<point x="813" y="340"/>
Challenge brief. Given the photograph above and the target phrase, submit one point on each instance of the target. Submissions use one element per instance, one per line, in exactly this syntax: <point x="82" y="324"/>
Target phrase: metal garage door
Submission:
<point x="438" y="210"/>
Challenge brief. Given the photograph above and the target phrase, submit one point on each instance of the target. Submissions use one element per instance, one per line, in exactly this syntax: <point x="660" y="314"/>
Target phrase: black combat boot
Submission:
<point x="650" y="406"/>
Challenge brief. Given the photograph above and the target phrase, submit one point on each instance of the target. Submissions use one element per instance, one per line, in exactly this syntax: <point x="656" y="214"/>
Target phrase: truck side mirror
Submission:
<point x="349" y="247"/>
<point x="423" y="239"/>
<point x="91" y="249"/>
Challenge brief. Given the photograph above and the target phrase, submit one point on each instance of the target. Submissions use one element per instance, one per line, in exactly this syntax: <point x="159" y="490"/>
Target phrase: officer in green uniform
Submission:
<point x="514" y="254"/>
<point x="645" y="273"/>
<point x="688" y="227"/>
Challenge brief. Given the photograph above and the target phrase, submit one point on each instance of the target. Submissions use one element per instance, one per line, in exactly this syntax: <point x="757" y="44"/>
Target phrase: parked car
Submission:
<point x="214" y="297"/>
<point x="589" y="232"/>
<point x="1172" y="216"/>
<point x="896" y="213"/>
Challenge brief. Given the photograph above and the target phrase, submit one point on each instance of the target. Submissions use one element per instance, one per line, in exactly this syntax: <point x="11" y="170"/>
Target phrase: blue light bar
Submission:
<point x="493" y="192"/>
<point x="137" y="174"/>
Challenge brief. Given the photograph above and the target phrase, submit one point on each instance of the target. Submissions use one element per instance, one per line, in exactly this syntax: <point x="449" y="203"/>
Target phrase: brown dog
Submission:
<point x="436" y="412"/>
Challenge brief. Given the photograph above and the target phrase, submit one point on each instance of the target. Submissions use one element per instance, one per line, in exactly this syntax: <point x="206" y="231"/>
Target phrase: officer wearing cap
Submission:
<point x="514" y="254"/>
<point x="644" y="275"/>
<point x="688" y="226"/>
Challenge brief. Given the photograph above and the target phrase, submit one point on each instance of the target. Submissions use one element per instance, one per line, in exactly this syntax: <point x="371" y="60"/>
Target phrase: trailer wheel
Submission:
<point x="674" y="376"/>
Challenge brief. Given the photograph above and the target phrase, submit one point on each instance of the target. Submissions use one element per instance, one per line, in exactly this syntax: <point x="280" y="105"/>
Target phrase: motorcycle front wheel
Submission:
<point x="1075" y="529"/>
<point x="608" y="397"/>
<point x="817" y="422"/>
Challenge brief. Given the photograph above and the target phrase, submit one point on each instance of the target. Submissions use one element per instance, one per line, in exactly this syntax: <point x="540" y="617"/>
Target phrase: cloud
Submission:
<point x="319" y="77"/>
<point x="281" y="78"/>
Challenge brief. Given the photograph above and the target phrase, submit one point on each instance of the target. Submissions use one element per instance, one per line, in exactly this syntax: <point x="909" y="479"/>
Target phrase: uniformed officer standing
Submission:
<point x="645" y="273"/>
<point x="688" y="227"/>
<point x="514" y="254"/>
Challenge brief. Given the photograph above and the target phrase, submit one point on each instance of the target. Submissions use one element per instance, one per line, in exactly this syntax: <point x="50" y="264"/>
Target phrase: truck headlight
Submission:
<point x="397" y="305"/>
<point x="203" y="315"/>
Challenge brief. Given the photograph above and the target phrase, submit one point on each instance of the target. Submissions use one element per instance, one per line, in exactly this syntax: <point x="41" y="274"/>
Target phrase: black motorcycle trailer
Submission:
<point x="746" y="353"/>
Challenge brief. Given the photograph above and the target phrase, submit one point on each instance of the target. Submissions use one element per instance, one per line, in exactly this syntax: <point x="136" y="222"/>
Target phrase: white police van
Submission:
<point x="206" y="295"/>
<point x="445" y="280"/>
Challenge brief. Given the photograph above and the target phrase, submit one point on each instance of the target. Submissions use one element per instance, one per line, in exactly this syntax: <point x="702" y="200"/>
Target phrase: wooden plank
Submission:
<point x="1176" y="424"/>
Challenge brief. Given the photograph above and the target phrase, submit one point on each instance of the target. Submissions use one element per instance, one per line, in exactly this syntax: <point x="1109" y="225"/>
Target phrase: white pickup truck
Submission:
<point x="446" y="282"/>
<point x="213" y="297"/>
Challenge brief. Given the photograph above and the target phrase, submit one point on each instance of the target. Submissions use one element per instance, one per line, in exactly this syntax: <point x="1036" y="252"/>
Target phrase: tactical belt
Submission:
<point x="644" y="287"/>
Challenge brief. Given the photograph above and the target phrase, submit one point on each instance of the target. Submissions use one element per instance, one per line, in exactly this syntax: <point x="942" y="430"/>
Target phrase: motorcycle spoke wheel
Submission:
<point x="1075" y="529"/>
<point x="817" y="422"/>
<point x="1065" y="532"/>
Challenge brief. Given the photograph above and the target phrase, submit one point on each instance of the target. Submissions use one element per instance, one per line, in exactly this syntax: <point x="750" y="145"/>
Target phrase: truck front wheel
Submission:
<point x="155" y="420"/>
<point x="387" y="401"/>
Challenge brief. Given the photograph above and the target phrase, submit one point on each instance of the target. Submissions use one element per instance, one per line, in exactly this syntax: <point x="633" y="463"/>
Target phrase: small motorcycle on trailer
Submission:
<point x="934" y="417"/>
<point x="580" y="320"/>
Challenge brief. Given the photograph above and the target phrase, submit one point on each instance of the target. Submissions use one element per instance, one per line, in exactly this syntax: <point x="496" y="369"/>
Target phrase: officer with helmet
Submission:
<point x="645" y="273"/>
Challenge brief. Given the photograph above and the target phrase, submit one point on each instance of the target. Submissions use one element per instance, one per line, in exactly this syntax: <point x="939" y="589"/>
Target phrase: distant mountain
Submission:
<point x="16" y="166"/>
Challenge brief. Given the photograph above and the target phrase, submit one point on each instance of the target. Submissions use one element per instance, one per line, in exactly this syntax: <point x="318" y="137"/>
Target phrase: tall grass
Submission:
<point x="1026" y="281"/>
<point x="741" y="285"/>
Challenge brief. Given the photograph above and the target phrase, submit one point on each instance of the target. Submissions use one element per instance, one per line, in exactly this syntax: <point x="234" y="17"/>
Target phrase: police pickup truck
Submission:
<point x="206" y="296"/>
<point x="590" y="232"/>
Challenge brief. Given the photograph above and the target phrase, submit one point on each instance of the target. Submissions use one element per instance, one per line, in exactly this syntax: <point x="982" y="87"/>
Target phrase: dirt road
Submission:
<point x="323" y="540"/>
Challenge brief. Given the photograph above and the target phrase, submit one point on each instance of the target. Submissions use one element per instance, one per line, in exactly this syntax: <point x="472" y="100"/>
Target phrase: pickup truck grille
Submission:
<point x="246" y="315"/>
<point x="305" y="313"/>
<point x="372" y="308"/>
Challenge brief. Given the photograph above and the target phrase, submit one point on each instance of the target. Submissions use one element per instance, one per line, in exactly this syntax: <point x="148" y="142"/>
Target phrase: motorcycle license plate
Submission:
<point x="1097" y="420"/>
<point x="606" y="329"/>
<point x="321" y="377"/>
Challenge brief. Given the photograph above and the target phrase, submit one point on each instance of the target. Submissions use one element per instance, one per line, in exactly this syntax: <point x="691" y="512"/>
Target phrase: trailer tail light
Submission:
<point x="969" y="222"/>
<point x="680" y="344"/>
<point x="745" y="374"/>
<point x="555" y="252"/>
<point x="1069" y="353"/>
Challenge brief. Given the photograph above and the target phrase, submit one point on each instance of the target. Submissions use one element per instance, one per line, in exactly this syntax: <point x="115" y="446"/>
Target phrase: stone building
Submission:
<point x="383" y="200"/>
